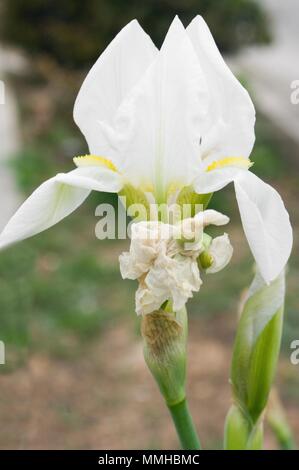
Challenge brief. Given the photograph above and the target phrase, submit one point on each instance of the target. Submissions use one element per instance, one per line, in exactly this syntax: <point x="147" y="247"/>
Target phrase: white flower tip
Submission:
<point x="174" y="34"/>
<point x="197" y="21"/>
<point x="135" y="22"/>
<point x="134" y="25"/>
<point x="176" y="21"/>
<point x="212" y="217"/>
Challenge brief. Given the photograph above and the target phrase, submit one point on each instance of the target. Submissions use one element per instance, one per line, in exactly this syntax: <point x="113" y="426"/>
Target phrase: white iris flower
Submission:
<point x="158" y="121"/>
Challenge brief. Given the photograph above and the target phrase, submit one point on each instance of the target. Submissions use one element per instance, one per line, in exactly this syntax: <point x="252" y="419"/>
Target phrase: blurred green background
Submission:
<point x="74" y="375"/>
<point x="73" y="32"/>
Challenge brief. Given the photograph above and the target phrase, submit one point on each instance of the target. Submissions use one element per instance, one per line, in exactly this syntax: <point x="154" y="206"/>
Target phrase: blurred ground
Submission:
<point x="106" y="399"/>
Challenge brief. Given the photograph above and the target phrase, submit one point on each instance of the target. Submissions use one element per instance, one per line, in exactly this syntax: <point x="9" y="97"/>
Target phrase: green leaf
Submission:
<point x="257" y="345"/>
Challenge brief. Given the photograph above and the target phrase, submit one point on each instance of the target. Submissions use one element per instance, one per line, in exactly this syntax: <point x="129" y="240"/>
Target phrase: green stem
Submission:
<point x="184" y="426"/>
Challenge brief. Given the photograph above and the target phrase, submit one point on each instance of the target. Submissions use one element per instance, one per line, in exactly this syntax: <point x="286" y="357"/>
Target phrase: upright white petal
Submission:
<point x="160" y="121"/>
<point x="116" y="71"/>
<point x="266" y="224"/>
<point x="55" y="199"/>
<point x="229" y="129"/>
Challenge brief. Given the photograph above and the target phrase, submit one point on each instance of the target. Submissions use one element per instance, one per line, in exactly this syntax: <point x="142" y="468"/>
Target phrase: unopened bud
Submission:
<point x="206" y="260"/>
<point x="164" y="335"/>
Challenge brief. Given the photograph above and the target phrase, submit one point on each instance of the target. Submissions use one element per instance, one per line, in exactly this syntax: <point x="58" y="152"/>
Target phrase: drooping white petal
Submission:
<point x="229" y="129"/>
<point x="55" y="199"/>
<point x="160" y="121"/>
<point x="266" y="224"/>
<point x="116" y="71"/>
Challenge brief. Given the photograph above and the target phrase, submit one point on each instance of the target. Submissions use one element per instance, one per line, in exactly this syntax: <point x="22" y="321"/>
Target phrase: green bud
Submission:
<point x="254" y="361"/>
<point x="240" y="432"/>
<point x="257" y="345"/>
<point x="205" y="260"/>
<point x="164" y="335"/>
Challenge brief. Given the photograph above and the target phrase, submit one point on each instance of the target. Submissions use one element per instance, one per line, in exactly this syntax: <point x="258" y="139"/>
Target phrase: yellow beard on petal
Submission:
<point x="239" y="162"/>
<point x="94" y="160"/>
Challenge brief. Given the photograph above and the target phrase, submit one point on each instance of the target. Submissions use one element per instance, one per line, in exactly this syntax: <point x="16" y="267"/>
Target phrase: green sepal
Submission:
<point x="187" y="196"/>
<point x="134" y="196"/>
